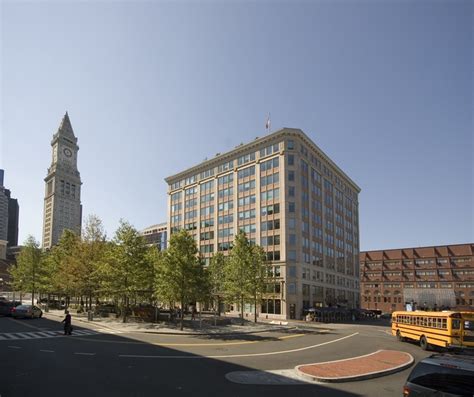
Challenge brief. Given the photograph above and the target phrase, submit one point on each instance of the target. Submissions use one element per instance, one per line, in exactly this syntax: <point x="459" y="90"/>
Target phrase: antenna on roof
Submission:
<point x="268" y="123"/>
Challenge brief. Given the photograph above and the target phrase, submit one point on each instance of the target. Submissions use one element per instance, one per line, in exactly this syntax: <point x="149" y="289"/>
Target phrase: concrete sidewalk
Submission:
<point x="379" y="363"/>
<point x="197" y="328"/>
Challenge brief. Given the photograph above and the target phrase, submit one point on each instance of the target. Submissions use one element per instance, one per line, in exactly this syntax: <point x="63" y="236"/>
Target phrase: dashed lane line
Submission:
<point x="85" y="354"/>
<point x="241" y="355"/>
<point x="47" y="351"/>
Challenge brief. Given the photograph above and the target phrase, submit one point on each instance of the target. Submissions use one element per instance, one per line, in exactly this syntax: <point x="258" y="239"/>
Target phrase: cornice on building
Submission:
<point x="437" y="250"/>
<point x="258" y="143"/>
<point x="163" y="226"/>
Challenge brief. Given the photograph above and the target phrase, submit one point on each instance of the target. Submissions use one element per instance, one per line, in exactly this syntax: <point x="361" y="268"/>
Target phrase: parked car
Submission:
<point x="442" y="375"/>
<point x="144" y="311"/>
<point x="105" y="309"/>
<point x="27" y="311"/>
<point x="6" y="307"/>
<point x="53" y="303"/>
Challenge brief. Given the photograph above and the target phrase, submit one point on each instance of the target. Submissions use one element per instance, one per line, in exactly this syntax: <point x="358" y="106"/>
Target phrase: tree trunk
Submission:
<point x="255" y="307"/>
<point x="124" y="309"/>
<point x="182" y="314"/>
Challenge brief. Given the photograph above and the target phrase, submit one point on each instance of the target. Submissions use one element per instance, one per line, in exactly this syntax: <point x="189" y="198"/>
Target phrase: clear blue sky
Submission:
<point x="385" y="88"/>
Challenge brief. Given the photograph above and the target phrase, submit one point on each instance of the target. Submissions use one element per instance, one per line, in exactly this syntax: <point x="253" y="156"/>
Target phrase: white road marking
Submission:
<point x="47" y="351"/>
<point x="14" y="347"/>
<point x="34" y="335"/>
<point x="44" y="334"/>
<point x="85" y="354"/>
<point x="243" y="355"/>
<point x="50" y="334"/>
<point x="274" y="377"/>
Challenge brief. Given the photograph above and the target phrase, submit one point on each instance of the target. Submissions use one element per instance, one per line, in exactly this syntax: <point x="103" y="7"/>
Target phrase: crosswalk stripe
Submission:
<point x="33" y="335"/>
<point x="52" y="334"/>
<point x="82" y="332"/>
<point x="20" y="335"/>
<point x="8" y="336"/>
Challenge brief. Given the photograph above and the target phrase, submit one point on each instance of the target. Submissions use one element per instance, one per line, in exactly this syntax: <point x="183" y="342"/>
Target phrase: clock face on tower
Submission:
<point x="67" y="152"/>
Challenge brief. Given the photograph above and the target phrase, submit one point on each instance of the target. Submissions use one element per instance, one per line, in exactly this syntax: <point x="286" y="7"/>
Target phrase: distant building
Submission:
<point x="13" y="219"/>
<point x="289" y="197"/>
<point x="4" y="198"/>
<point x="62" y="202"/>
<point x="156" y="235"/>
<point x="426" y="276"/>
<point x="13" y="252"/>
<point x="4" y="275"/>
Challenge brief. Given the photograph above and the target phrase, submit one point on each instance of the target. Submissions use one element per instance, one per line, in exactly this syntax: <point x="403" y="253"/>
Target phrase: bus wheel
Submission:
<point x="423" y="343"/>
<point x="400" y="338"/>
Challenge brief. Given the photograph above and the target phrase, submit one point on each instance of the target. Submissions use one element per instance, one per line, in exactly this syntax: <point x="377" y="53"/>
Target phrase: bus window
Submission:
<point x="468" y="325"/>
<point x="445" y="323"/>
<point x="456" y="324"/>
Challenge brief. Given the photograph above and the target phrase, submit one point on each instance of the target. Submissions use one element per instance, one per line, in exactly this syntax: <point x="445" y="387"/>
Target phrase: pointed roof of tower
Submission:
<point x="65" y="128"/>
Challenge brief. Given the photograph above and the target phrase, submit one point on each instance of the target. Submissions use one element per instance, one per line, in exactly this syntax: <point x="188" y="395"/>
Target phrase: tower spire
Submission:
<point x="65" y="128"/>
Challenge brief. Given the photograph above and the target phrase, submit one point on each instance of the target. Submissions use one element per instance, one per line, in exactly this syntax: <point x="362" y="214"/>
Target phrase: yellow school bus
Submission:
<point x="447" y="329"/>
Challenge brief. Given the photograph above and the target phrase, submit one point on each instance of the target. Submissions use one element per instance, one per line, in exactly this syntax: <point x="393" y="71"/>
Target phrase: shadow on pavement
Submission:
<point x="75" y="367"/>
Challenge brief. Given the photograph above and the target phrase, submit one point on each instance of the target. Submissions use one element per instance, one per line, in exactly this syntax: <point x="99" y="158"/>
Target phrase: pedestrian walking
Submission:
<point x="67" y="324"/>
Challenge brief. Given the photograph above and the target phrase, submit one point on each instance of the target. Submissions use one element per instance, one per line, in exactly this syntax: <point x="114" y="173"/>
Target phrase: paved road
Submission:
<point x="135" y="364"/>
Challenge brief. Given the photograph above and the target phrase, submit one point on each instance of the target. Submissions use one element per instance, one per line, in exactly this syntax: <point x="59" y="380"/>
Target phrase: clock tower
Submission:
<point x="62" y="200"/>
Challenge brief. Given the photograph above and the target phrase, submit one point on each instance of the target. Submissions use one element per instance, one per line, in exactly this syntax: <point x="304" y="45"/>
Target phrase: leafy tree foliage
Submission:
<point x="180" y="276"/>
<point x="27" y="271"/>
<point x="126" y="271"/>
<point x="216" y="277"/>
<point x="93" y="250"/>
<point x="245" y="273"/>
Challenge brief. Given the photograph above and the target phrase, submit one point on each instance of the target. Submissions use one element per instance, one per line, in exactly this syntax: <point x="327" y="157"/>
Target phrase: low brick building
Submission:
<point x="428" y="276"/>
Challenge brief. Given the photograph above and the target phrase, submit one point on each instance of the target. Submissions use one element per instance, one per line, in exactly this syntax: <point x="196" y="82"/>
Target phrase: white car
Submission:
<point x="27" y="311"/>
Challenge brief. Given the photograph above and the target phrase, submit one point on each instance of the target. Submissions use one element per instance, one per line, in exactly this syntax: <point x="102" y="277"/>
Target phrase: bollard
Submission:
<point x="90" y="316"/>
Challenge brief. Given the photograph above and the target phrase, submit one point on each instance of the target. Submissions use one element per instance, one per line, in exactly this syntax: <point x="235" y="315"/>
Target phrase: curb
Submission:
<point x="175" y="332"/>
<point x="369" y="375"/>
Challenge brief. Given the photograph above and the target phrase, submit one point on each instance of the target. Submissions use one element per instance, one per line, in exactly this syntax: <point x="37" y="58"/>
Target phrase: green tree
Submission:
<point x="216" y="276"/>
<point x="258" y="276"/>
<point x="65" y="264"/>
<point x="25" y="274"/>
<point x="126" y="270"/>
<point x="93" y="250"/>
<point x="180" y="276"/>
<point x="245" y="273"/>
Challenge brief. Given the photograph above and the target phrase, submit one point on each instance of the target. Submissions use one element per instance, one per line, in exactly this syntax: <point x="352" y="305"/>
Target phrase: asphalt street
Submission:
<point x="36" y="360"/>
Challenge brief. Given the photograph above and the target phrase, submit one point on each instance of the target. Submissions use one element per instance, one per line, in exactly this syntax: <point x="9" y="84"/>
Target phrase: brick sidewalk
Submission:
<point x="379" y="363"/>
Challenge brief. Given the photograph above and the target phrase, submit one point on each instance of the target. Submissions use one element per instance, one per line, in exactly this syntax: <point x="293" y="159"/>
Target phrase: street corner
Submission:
<point x="372" y="365"/>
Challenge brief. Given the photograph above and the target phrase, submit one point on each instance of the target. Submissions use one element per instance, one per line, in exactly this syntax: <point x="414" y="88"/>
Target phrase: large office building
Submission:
<point x="62" y="201"/>
<point x="156" y="235"/>
<point x="290" y="198"/>
<point x="427" y="277"/>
